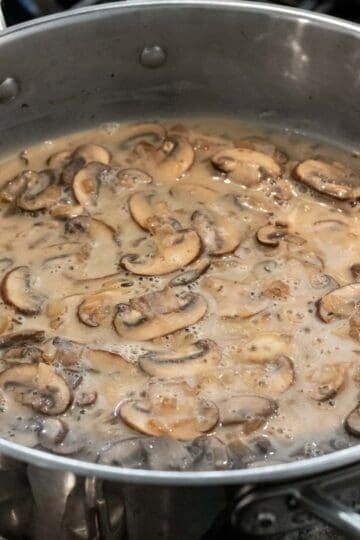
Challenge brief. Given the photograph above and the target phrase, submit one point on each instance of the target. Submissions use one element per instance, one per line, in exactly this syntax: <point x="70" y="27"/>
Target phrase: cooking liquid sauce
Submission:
<point x="235" y="362"/>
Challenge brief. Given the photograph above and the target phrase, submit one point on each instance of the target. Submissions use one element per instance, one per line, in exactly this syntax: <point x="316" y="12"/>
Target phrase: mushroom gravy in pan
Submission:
<point x="174" y="297"/>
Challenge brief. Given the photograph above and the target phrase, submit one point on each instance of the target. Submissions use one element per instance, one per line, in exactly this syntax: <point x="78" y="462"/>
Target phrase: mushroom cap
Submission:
<point x="246" y="166"/>
<point x="175" y="157"/>
<point x="158" y="314"/>
<point x="98" y="309"/>
<point x="39" y="386"/>
<point x="175" y="250"/>
<point x="339" y="303"/>
<point x="202" y="355"/>
<point x="17" y="291"/>
<point x="330" y="179"/>
<point x="86" y="184"/>
<point x="192" y="273"/>
<point x="220" y="235"/>
<point x="248" y="410"/>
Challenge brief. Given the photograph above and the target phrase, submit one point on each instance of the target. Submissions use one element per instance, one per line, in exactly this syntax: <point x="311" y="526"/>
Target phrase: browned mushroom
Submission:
<point x="58" y="160"/>
<point x="131" y="178"/>
<point x="330" y="179"/>
<point x="40" y="192"/>
<point x="17" y="291"/>
<point x="144" y="207"/>
<point x="66" y="211"/>
<point x="235" y="299"/>
<point x="174" y="158"/>
<point x="175" y="249"/>
<point x="192" y="273"/>
<point x="202" y="355"/>
<point x="37" y="385"/>
<point x="22" y="336"/>
<point x="98" y="309"/>
<point x="271" y="234"/>
<point x="86" y="185"/>
<point x="352" y="422"/>
<point x="245" y="166"/>
<point x="172" y="409"/>
<point x="326" y="381"/>
<point x="17" y="185"/>
<point x="158" y="314"/>
<point x="339" y="303"/>
<point x="249" y="411"/>
<point x="92" y="153"/>
<point x="218" y="233"/>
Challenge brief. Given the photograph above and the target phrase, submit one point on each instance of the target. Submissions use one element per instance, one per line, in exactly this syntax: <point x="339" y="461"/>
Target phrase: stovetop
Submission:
<point x="21" y="10"/>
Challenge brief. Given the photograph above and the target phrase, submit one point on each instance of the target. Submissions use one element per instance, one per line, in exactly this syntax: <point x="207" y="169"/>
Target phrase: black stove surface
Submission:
<point x="21" y="10"/>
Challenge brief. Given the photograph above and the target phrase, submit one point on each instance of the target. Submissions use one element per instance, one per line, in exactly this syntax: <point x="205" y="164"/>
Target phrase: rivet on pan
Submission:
<point x="153" y="57"/>
<point x="9" y="90"/>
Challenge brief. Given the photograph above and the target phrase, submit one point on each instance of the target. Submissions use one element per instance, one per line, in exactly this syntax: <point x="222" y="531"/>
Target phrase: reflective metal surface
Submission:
<point x="276" y="66"/>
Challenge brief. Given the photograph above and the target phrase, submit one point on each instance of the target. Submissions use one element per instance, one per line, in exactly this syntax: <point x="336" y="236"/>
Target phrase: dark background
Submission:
<point x="21" y="10"/>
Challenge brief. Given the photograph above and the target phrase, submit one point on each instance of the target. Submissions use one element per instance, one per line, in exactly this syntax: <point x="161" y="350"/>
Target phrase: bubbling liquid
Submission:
<point x="180" y="296"/>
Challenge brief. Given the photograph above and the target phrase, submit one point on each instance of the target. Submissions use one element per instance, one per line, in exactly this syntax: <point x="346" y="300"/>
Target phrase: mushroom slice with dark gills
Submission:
<point x="175" y="250"/>
<point x="201" y="356"/>
<point x="144" y="207"/>
<point x="148" y="132"/>
<point x="98" y="309"/>
<point x="352" y="422"/>
<point x="86" y="185"/>
<point x="17" y="290"/>
<point x="339" y="303"/>
<point x="158" y="314"/>
<point x="192" y="273"/>
<point x="38" y="386"/>
<point x="247" y="410"/>
<point x="131" y="178"/>
<point x="218" y="233"/>
<point x="272" y="234"/>
<point x="245" y="166"/>
<point x="40" y="193"/>
<point x="235" y="299"/>
<point x="330" y="179"/>
<point x="14" y="187"/>
<point x="326" y="381"/>
<point x="172" y="409"/>
<point x="22" y="337"/>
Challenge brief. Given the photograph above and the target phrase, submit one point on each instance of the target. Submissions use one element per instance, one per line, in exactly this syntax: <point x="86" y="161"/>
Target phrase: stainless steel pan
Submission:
<point x="271" y="65"/>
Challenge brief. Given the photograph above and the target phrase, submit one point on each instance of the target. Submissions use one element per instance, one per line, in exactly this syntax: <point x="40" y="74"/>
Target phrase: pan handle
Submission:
<point x="2" y="18"/>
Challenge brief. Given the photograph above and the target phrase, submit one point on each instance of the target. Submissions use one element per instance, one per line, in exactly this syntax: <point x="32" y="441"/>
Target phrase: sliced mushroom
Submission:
<point x="86" y="399"/>
<point x="39" y="386"/>
<point x="330" y="179"/>
<point x="149" y="132"/>
<point x="71" y="169"/>
<point x="158" y="314"/>
<point x="218" y="233"/>
<point x="58" y="160"/>
<point x="192" y="273"/>
<point x="202" y="355"/>
<point x="143" y="208"/>
<point x="175" y="250"/>
<point x="245" y="166"/>
<point x="86" y="185"/>
<point x="40" y="192"/>
<point x="22" y="336"/>
<point x="278" y="290"/>
<point x="52" y="431"/>
<point x="132" y="178"/>
<point x="182" y="419"/>
<point x="16" y="288"/>
<point x="17" y="185"/>
<point x="174" y="158"/>
<point x="203" y="194"/>
<point x="272" y="376"/>
<point x="352" y="422"/>
<point x="71" y="444"/>
<point x="92" y="153"/>
<point x="25" y="353"/>
<point x="99" y="309"/>
<point x="249" y="411"/>
<point x="339" y="303"/>
<point x="66" y="211"/>
<point x="235" y="299"/>
<point x="271" y="234"/>
<point x="326" y="381"/>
